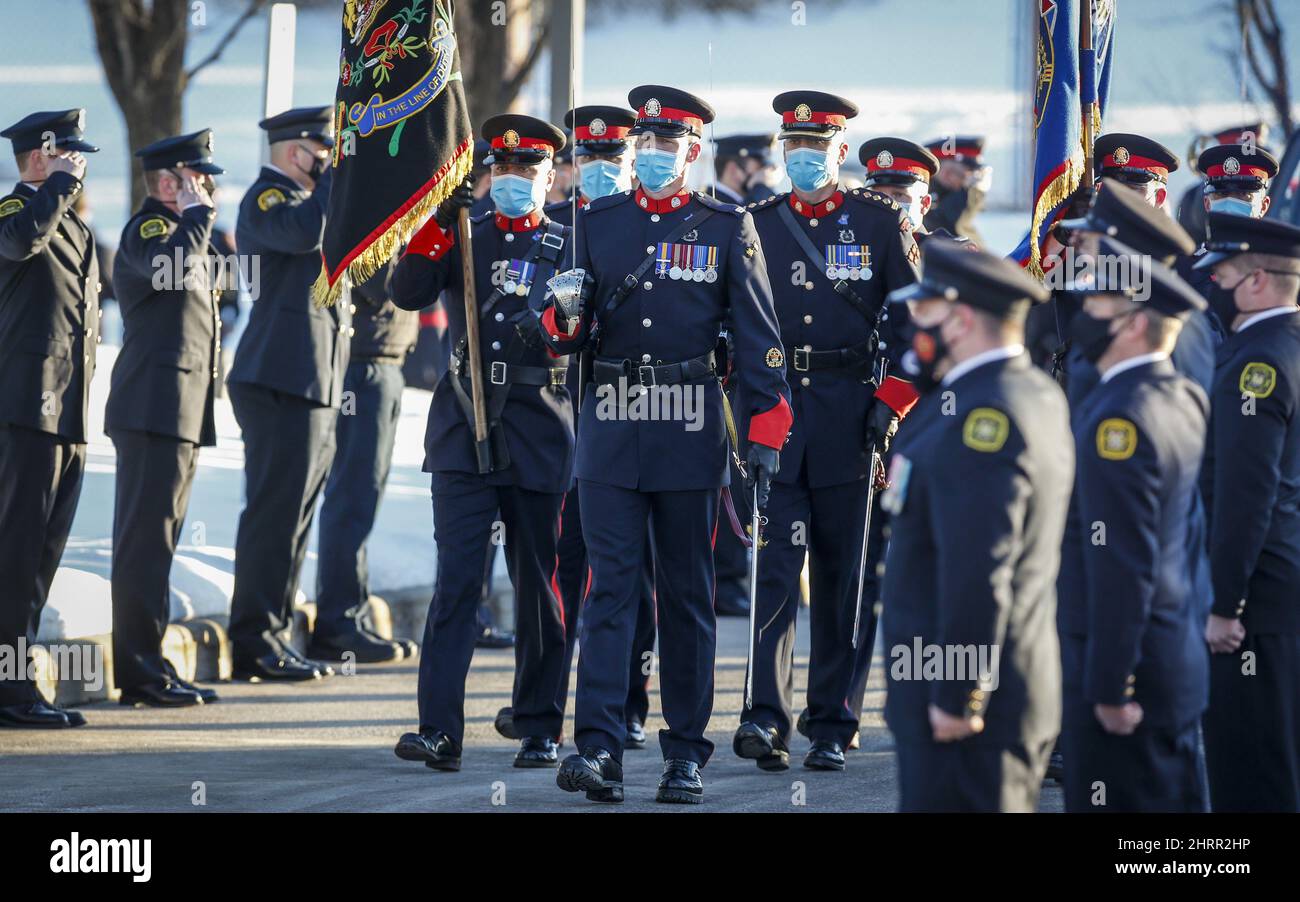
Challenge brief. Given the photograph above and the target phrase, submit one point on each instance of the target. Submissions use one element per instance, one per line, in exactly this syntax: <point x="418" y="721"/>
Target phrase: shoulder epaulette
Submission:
<point x="482" y="217"/>
<point x="768" y="203"/>
<point x="720" y="205"/>
<point x="606" y="202"/>
<point x="867" y="196"/>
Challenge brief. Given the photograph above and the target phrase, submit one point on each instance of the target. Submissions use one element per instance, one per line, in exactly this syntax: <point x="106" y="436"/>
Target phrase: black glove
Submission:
<point x="528" y="327"/>
<point x="461" y="198"/>
<point x="761" y="464"/>
<point x="882" y="423"/>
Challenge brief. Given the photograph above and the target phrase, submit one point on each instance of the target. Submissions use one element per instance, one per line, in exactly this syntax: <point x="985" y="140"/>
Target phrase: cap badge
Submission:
<point x="653" y="108"/>
<point x="1231" y="166"/>
<point x="1122" y="156"/>
<point x="884" y="159"/>
<point x="510" y="138"/>
<point x="597" y="127"/>
<point x="803" y="113"/>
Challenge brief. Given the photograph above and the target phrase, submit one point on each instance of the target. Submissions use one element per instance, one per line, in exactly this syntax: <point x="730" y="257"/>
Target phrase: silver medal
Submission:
<point x="675" y="272"/>
<point x="510" y="286"/>
<point x="697" y="275"/>
<point x="866" y="273"/>
<point x="710" y="275"/>
<point x="855" y="274"/>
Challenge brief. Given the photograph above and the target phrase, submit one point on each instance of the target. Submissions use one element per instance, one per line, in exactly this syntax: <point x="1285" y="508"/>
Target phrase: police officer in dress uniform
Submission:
<point x="959" y="187"/>
<point x="743" y="169"/>
<point x="1135" y="669"/>
<point x="1251" y="482"/>
<point x="979" y="483"/>
<point x="854" y="248"/>
<point x="286" y="385"/>
<point x="160" y="405"/>
<point x="530" y="414"/>
<point x="383" y="335"/>
<point x="1142" y="164"/>
<point x="667" y="266"/>
<point x="49" y="327"/>
<point x="1191" y="206"/>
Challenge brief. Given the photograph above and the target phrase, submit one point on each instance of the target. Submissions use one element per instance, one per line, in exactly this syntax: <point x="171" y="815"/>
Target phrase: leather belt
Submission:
<point x="837" y="359"/>
<point x="502" y="373"/>
<point x="606" y="371"/>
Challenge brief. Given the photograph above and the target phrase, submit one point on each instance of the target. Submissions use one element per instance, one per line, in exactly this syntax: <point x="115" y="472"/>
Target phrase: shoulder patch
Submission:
<point x="269" y="198"/>
<point x="1258" y="379"/>
<point x="1117" y="439"/>
<point x="775" y="359"/>
<point x="153" y="227"/>
<point x="11" y="205"/>
<point x="986" y="430"/>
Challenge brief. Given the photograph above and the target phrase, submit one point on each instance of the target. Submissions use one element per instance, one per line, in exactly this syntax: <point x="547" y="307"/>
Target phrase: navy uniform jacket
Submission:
<point x="562" y="212"/>
<point x="1251" y="476"/>
<point x="872" y="234"/>
<point x="1138" y="449"/>
<point x="382" y="332"/>
<point x="537" y="420"/>
<point x="979" y="486"/>
<point x="165" y="376"/>
<point x="289" y="344"/>
<point x="954" y="211"/>
<point x="666" y="321"/>
<point x="49" y="309"/>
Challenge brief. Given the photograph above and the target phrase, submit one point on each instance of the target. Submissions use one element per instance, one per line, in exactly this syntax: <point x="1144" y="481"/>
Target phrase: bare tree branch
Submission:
<point x="249" y="11"/>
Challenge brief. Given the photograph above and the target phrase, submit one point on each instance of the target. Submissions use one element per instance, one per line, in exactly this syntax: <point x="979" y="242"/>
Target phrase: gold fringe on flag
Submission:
<point x="1053" y="195"/>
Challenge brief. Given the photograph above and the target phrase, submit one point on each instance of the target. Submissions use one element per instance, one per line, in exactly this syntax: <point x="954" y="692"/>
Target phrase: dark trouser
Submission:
<point x="465" y="508"/>
<point x="288" y="446"/>
<point x="615" y="525"/>
<point x="1154" y="769"/>
<point x="352" y="494"/>
<point x="820" y="523"/>
<point x="730" y="557"/>
<point x="154" y="477"/>
<point x="1252" y="727"/>
<point x="875" y="578"/>
<point x="968" y="777"/>
<point x="40" y="482"/>
<point x="573" y="578"/>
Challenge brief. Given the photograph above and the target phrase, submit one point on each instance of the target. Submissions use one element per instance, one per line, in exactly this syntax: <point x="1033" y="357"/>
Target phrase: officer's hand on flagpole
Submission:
<point x="761" y="464"/>
<point x="882" y="423"/>
<point x="461" y="198"/>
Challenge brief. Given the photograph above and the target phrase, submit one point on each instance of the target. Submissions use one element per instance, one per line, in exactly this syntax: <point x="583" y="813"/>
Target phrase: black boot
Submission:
<point x="681" y="783"/>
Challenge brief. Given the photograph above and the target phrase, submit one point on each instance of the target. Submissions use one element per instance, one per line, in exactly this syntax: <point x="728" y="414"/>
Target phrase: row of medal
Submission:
<point x="519" y="278"/>
<point x="687" y="262"/>
<point x="848" y="261"/>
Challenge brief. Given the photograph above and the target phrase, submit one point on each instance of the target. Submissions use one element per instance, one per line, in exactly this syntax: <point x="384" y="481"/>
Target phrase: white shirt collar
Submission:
<point x="1264" y="314"/>
<point x="1133" y="362"/>
<point x="1005" y="352"/>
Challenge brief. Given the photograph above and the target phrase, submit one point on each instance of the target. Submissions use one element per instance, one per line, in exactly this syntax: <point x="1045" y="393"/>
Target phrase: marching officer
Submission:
<point x="1191" y="206"/>
<point x="979" y="482"/>
<point x="160" y="406"/>
<point x="49" y="329"/>
<point x="530" y="417"/>
<point x="959" y="188"/>
<point x="1134" y="665"/>
<point x="743" y="168"/>
<point x="667" y="266"/>
<point x="844" y="251"/>
<point x="1251" y="482"/>
<point x="285" y="385"/>
<point x="1142" y="164"/>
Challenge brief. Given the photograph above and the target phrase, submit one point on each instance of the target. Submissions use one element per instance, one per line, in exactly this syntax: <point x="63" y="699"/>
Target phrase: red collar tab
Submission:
<point x="663" y="205"/>
<point x="602" y="132"/>
<point x="1233" y="168"/>
<point x="885" y="162"/>
<point x="657" y="115"/>
<point x="513" y="141"/>
<point x="801" y="115"/>
<point x="1122" y="159"/>
<point x="522" y="224"/>
<point x="826" y="207"/>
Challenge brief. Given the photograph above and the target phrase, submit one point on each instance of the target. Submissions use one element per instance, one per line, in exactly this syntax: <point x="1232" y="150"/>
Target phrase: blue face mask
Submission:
<point x="1233" y="205"/>
<point x="656" y="169"/>
<point x="515" y="196"/>
<point x="808" y="169"/>
<point x="601" y="178"/>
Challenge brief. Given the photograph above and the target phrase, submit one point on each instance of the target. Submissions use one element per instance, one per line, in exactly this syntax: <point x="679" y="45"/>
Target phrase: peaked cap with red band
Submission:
<point x="514" y="138"/>
<point x="813" y="114"/>
<point x="896" y="161"/>
<point x="1132" y="159"/>
<point x="962" y="148"/>
<point x="1236" y="134"/>
<point x="599" y="129"/>
<point x="1236" y="167"/>
<point x="670" y="112"/>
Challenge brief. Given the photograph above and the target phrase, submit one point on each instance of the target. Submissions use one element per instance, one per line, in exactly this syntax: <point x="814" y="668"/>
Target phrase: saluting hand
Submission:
<point x="191" y="193"/>
<point x="1224" y="636"/>
<point x="1119" y="720"/>
<point x="71" y="162"/>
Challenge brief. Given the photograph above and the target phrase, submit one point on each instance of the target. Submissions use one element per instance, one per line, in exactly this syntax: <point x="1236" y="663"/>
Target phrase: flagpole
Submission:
<point x="1090" y="78"/>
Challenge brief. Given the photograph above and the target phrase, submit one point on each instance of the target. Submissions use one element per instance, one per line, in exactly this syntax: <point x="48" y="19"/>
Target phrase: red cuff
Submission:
<point x="772" y="426"/>
<point x="431" y="241"/>
<point x="552" y="329"/>
<point x="898" y="394"/>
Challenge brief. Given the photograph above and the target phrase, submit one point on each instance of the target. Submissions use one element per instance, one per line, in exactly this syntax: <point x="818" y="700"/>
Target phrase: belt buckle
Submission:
<point x="645" y="375"/>
<point x="807" y="360"/>
<point x="557" y="376"/>
<point x="554" y="242"/>
<point x="498" y="376"/>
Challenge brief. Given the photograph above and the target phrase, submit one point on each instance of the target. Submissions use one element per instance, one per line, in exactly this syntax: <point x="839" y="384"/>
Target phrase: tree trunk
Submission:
<point x="142" y="47"/>
<point x="498" y="52"/>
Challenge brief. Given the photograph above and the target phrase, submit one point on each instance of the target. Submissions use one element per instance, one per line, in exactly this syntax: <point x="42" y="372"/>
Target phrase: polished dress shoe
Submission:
<point x="34" y="716"/>
<point x="491" y="637"/>
<point x="209" y="696"/>
<point x="538" y="751"/>
<point x="505" y="723"/>
<point x="824" y="755"/>
<point x="681" y="783"/>
<point x="273" y="668"/>
<point x="595" y="772"/>
<point x="75" y="718"/>
<point x="434" y="747"/>
<point x="168" y="694"/>
<point x="635" y="735"/>
<point x="325" y="669"/>
<point x="761" y="743"/>
<point x="364" y="648"/>
<point x="408" y="647"/>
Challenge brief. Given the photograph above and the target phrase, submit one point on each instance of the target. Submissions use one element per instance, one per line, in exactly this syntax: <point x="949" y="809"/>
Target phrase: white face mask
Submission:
<point x="915" y="206"/>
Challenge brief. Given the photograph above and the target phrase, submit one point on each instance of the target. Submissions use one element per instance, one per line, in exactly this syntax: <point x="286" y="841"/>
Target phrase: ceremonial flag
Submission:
<point x="402" y="133"/>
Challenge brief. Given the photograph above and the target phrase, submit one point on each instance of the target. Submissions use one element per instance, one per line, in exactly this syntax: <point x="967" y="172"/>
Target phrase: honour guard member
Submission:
<point x="1142" y="164"/>
<point x="959" y="187"/>
<point x="1191" y="206"/>
<point x="743" y="168"/>
<point x="1134" y="665"/>
<point x="1251" y="482"/>
<point x="667" y="266"/>
<point x="979" y="482"/>
<point x="530" y="417"/>
<point x="843" y="251"/>
<point x="160" y="406"/>
<point x="49" y="328"/>
<point x="286" y="385"/>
